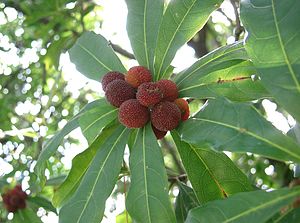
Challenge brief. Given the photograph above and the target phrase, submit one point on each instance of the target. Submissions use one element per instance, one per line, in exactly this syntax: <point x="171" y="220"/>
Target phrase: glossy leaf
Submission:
<point x="143" y="20"/>
<point x="256" y="206"/>
<point x="26" y="215"/>
<point x="147" y="199"/>
<point x="94" y="57"/>
<point x="88" y="202"/>
<point x="212" y="174"/>
<point x="185" y="201"/>
<point x="273" y="44"/>
<point x="94" y="120"/>
<point x="226" y="72"/>
<point x="181" y="21"/>
<point x="80" y="165"/>
<point x="238" y="127"/>
<point x="52" y="144"/>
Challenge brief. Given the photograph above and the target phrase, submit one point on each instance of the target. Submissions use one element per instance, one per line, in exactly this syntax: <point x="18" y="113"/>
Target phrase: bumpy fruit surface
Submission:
<point x="184" y="108"/>
<point x="149" y="94"/>
<point x="165" y="116"/>
<point x="169" y="89"/>
<point x="159" y="134"/>
<point x="111" y="76"/>
<point x="138" y="75"/>
<point x="133" y="115"/>
<point x="119" y="91"/>
<point x="14" y="199"/>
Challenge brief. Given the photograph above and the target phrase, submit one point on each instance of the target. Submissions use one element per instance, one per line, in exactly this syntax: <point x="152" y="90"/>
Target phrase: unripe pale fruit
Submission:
<point x="169" y="89"/>
<point x="138" y="75"/>
<point x="119" y="91"/>
<point x="111" y="76"/>
<point x="184" y="108"/>
<point x="165" y="116"/>
<point x="149" y="94"/>
<point x="133" y="115"/>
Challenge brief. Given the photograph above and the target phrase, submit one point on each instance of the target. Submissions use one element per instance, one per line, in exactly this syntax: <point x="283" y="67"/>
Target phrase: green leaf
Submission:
<point x="185" y="201"/>
<point x="88" y="202"/>
<point x="40" y="201"/>
<point x="80" y="165"/>
<point x="216" y="176"/>
<point x="226" y="72"/>
<point x="26" y="215"/>
<point x="181" y="21"/>
<point x="94" y="57"/>
<point x="122" y="218"/>
<point x="55" y="181"/>
<point x="147" y="200"/>
<point x="143" y="20"/>
<point x="291" y="216"/>
<point x="51" y="145"/>
<point x="237" y="127"/>
<point x="273" y="44"/>
<point x="256" y="206"/>
<point x="94" y="120"/>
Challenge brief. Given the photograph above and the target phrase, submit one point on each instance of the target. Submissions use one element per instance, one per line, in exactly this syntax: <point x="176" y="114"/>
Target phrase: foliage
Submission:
<point x="226" y="88"/>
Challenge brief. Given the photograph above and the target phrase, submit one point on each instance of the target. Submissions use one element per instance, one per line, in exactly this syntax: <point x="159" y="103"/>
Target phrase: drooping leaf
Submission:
<point x="237" y="127"/>
<point x="51" y="145"/>
<point x="147" y="200"/>
<point x="256" y="206"/>
<point x="94" y="120"/>
<point x="185" y="201"/>
<point x="273" y="44"/>
<point x="94" y="57"/>
<point x="143" y="20"/>
<point x="212" y="174"/>
<point x="181" y="21"/>
<point x="80" y="165"/>
<point x="88" y="202"/>
<point x="226" y="72"/>
<point x="26" y="215"/>
<point x="40" y="201"/>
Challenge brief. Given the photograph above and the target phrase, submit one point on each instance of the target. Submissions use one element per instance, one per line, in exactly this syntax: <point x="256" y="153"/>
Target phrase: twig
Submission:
<point x="172" y="151"/>
<point x="121" y="51"/>
<point x="238" y="27"/>
<point x="224" y="14"/>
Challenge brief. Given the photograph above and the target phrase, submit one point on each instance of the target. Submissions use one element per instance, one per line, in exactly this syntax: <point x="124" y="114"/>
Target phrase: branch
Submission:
<point x="121" y="51"/>
<point x="238" y="27"/>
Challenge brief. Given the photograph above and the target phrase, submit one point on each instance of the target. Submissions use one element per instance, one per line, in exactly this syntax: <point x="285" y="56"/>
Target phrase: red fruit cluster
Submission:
<point x="14" y="199"/>
<point x="140" y="100"/>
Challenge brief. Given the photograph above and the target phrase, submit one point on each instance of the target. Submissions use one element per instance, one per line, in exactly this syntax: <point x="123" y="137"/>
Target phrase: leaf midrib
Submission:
<point x="264" y="205"/>
<point x="287" y="61"/>
<point x="172" y="38"/>
<point x="99" y="173"/>
<point x="92" y="55"/>
<point x="212" y="59"/>
<point x="145" y="178"/>
<point x="251" y="134"/>
<point x="145" y="33"/>
<point x="209" y="171"/>
<point x="102" y="116"/>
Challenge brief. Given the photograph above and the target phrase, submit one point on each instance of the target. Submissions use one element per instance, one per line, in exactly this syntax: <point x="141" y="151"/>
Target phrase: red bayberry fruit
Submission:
<point x="138" y="75"/>
<point x="111" y="76"/>
<point x="133" y="115"/>
<point x="184" y="108"/>
<point x="14" y="199"/>
<point x="119" y="91"/>
<point x="149" y="94"/>
<point x="165" y="116"/>
<point x="169" y="89"/>
<point x="159" y="134"/>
